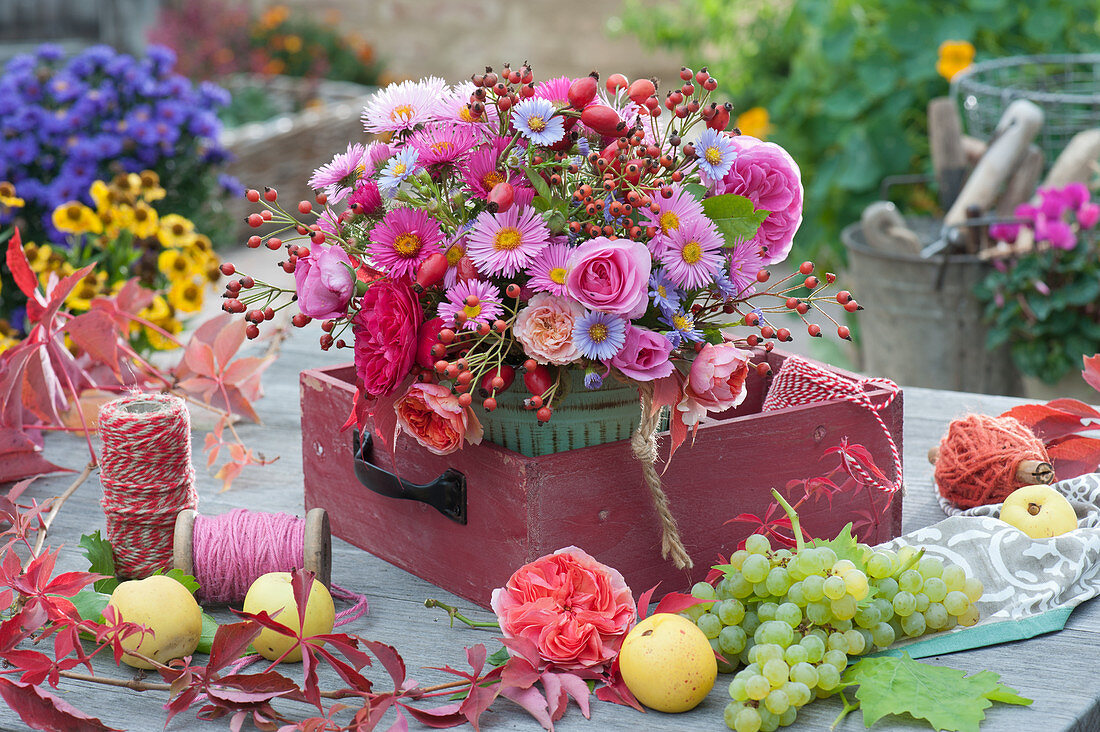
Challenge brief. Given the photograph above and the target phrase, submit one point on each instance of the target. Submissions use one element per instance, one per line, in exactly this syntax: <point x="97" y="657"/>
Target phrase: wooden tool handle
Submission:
<point x="1028" y="472"/>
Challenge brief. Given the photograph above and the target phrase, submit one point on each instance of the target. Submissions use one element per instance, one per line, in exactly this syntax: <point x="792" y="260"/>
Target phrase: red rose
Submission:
<point x="385" y="330"/>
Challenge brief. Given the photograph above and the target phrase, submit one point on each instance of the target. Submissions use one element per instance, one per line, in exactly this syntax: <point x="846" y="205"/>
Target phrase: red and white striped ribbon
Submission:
<point x="801" y="382"/>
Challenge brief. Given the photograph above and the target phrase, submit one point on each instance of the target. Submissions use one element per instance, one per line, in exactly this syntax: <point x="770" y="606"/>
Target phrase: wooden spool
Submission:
<point x="317" y="553"/>
<point x="1028" y="472"/>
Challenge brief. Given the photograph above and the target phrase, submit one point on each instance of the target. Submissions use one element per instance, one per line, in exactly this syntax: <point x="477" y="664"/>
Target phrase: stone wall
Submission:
<point x="455" y="38"/>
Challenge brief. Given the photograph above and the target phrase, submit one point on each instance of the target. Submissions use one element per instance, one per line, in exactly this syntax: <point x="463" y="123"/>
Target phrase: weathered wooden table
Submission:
<point x="1059" y="671"/>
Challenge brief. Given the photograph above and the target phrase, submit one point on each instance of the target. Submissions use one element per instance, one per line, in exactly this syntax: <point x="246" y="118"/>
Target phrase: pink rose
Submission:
<point x="545" y="328"/>
<point x="431" y="414"/>
<point x="574" y="609"/>
<point x="325" y="282"/>
<point x="610" y="276"/>
<point x="768" y="176"/>
<point x="644" y="355"/>
<point x="716" y="381"/>
<point x="385" y="330"/>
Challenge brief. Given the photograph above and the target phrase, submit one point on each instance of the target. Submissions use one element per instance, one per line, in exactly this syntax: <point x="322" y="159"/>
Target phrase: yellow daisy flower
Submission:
<point x="175" y="231"/>
<point x="7" y="342"/>
<point x="175" y="265"/>
<point x="754" y="122"/>
<point x="128" y="184"/>
<point x="186" y="295"/>
<point x="157" y="310"/>
<point x="159" y="342"/>
<point x="145" y="222"/>
<point x="8" y="199"/>
<point x="90" y="287"/>
<point x="76" y="218"/>
<point x="102" y="195"/>
<point x="954" y="56"/>
<point x="150" y="186"/>
<point x="38" y="257"/>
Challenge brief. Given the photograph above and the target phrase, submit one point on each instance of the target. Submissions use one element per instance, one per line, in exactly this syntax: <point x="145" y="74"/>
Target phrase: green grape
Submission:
<point x="856" y="583"/>
<point x="702" y="591"/>
<point x="729" y="714"/>
<point x="887" y="588"/>
<point x="935" y="588"/>
<point x="760" y="589"/>
<point x="836" y="659"/>
<point x="910" y="581"/>
<point x="905" y="603"/>
<point x="737" y="689"/>
<point x="857" y="644"/>
<point x="930" y="567"/>
<point x="827" y="555"/>
<point x="795" y="595"/>
<point x="710" y="625"/>
<point x="767" y="652"/>
<point x="795" y="654"/>
<point x="935" y="617"/>
<point x="804" y="673"/>
<point x="879" y="565"/>
<point x="776" y="701"/>
<point x="810" y="562"/>
<point x="896" y="625"/>
<point x="739" y="587"/>
<point x="799" y="693"/>
<point x="954" y="577"/>
<point x="813" y="588"/>
<point x="844" y="608"/>
<point x="731" y="612"/>
<point x="725" y="666"/>
<point x="750" y="622"/>
<point x="789" y="613"/>
<point x="837" y="642"/>
<point x="828" y="677"/>
<point x="973" y="589"/>
<point x="842" y="567"/>
<point x="768" y="722"/>
<point x="775" y="671"/>
<point x="841" y="625"/>
<point x="814" y="646"/>
<point x="694" y="612"/>
<point x="885" y="609"/>
<point x="922" y="602"/>
<point x="913" y="625"/>
<point x="757" y="544"/>
<point x="834" y="587"/>
<point x="718" y="607"/>
<point x="757" y="687"/>
<point x="774" y="632"/>
<point x="722" y="589"/>
<point x="970" y="617"/>
<point x="738" y="558"/>
<point x="778" y="581"/>
<point x="819" y="613"/>
<point x="786" y="719"/>
<point x="905" y="554"/>
<point x="744" y="657"/>
<point x="766" y="610"/>
<point x="783" y="553"/>
<point x="956" y="602"/>
<point x="747" y="720"/>
<point x="756" y="567"/>
<point x="883" y="635"/>
<point x="952" y="621"/>
<point x="821" y="634"/>
<point x="868" y="616"/>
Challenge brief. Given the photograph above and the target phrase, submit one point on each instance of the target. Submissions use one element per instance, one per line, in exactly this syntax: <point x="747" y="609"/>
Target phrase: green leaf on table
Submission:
<point x="209" y="628"/>
<point x="101" y="560"/>
<point x="735" y="216"/>
<point x="945" y="697"/>
<point x="89" y="604"/>
<point x="178" y="575"/>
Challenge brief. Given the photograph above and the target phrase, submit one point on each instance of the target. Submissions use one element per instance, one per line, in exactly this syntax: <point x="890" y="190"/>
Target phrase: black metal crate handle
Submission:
<point x="446" y="494"/>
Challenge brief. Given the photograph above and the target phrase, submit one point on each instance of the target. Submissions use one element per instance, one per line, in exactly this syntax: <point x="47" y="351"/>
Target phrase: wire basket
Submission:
<point x="1066" y="87"/>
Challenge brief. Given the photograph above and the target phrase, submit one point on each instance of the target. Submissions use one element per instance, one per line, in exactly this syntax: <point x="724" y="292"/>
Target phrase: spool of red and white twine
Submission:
<point x="147" y="478"/>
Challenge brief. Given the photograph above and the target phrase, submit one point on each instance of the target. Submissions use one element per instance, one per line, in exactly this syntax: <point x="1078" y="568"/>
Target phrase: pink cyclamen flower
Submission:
<point x="503" y="244"/>
<point x="433" y="416"/>
<point x="573" y="608"/>
<point x="1087" y="215"/>
<point x="324" y="282"/>
<point x="610" y="276"/>
<point x="644" y="356"/>
<point x="715" y="383"/>
<point x="693" y="253"/>
<point x="385" y="331"/>
<point x="768" y="176"/>
<point x="1056" y="232"/>
<point x="402" y="240"/>
<point x="545" y="329"/>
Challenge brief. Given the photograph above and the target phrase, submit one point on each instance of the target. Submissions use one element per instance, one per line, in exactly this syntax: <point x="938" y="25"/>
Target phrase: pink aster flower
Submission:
<point x="482" y="171"/>
<point x="486" y="309"/>
<point x="692" y="254"/>
<point x="339" y="177"/>
<point x="403" y="106"/>
<point x="675" y="211"/>
<point x="554" y="90"/>
<point x="745" y="261"/>
<point x="366" y="199"/>
<point x="443" y="144"/>
<point x="329" y="222"/>
<point x="549" y="269"/>
<point x="454" y="106"/>
<point x="505" y="243"/>
<point x="455" y="251"/>
<point x="377" y="155"/>
<point x="402" y="240"/>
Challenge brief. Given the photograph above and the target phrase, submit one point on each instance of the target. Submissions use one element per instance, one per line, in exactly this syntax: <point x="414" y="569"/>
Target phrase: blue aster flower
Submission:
<point x="398" y="169"/>
<point x="723" y="284"/>
<point x="663" y="292"/>
<point x="583" y="146"/>
<point x="599" y="336"/>
<point x="592" y="379"/>
<point x="534" y="119"/>
<point x="714" y="154"/>
<point x="683" y="328"/>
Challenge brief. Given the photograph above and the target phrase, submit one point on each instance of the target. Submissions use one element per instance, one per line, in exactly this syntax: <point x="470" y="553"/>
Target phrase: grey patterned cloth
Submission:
<point x="1031" y="585"/>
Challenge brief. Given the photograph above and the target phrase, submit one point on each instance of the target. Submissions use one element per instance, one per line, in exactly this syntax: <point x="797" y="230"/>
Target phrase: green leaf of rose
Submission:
<point x="735" y="216"/>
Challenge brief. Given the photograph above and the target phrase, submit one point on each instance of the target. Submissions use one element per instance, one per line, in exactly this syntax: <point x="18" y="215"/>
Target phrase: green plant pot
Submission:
<point x="582" y="418"/>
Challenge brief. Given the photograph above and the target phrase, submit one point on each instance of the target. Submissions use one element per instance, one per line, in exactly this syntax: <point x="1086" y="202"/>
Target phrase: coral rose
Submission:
<point x="573" y="608"/>
<point x="610" y="276"/>
<point x="644" y="355"/>
<point x="325" y="282"/>
<point x="545" y="328"/>
<point x="716" y="381"/>
<point x="385" y="330"/>
<point x="767" y="175"/>
<point x="431" y="414"/>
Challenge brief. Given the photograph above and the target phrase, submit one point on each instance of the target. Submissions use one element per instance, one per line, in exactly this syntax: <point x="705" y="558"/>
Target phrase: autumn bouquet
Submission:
<point x="561" y="227"/>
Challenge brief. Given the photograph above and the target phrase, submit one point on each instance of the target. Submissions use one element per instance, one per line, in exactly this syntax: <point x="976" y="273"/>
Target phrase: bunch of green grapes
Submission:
<point x="792" y="619"/>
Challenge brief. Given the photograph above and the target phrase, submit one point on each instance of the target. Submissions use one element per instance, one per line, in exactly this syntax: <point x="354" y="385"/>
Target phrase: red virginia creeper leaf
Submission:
<point x="1092" y="371"/>
<point x="41" y="710"/>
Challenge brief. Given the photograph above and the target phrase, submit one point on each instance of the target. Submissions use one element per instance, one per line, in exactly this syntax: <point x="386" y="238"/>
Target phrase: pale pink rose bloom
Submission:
<point x="610" y="276"/>
<point x="573" y="608"/>
<point x="644" y="356"/>
<point x="715" y="383"/>
<point x="545" y="328"/>
<point x="431" y="414"/>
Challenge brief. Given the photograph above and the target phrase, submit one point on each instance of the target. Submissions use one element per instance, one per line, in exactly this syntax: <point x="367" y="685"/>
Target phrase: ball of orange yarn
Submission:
<point x="978" y="459"/>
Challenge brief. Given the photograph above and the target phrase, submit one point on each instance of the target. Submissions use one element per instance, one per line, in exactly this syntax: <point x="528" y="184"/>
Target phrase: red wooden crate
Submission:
<point x="519" y="508"/>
